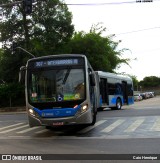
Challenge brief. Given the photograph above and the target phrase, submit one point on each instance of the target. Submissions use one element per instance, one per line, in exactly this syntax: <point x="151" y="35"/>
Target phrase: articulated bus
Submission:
<point x="114" y="90"/>
<point x="65" y="90"/>
<point x="60" y="90"/>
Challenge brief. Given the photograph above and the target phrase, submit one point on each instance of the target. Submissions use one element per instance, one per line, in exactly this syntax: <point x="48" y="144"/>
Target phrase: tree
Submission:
<point x="41" y="33"/>
<point x="135" y="81"/>
<point x="150" y="81"/>
<point x="9" y="93"/>
<point x="101" y="51"/>
<point x="52" y="27"/>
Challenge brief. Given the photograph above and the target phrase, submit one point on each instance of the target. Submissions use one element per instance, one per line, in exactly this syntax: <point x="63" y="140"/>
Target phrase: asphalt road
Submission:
<point x="133" y="130"/>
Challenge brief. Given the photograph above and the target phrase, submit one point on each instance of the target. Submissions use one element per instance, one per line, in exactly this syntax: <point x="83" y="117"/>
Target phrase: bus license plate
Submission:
<point x="58" y="123"/>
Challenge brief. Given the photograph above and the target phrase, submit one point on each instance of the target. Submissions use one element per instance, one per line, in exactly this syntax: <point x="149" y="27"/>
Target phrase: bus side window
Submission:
<point x="112" y="89"/>
<point x="118" y="90"/>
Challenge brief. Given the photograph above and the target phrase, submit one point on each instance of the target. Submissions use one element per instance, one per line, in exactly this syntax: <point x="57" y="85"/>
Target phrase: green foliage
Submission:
<point x="42" y="33"/>
<point x="9" y="67"/>
<point x="135" y="81"/>
<point x="11" y="95"/>
<point x="150" y="81"/>
<point x="51" y="27"/>
<point x="101" y="51"/>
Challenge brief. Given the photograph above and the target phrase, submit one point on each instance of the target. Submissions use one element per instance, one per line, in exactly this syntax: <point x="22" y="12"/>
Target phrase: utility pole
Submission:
<point x="27" y="5"/>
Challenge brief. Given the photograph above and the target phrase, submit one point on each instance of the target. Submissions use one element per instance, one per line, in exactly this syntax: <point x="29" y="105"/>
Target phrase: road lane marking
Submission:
<point x="113" y="126"/>
<point x="156" y="125"/>
<point x="6" y="127"/>
<point x="134" y="125"/>
<point x="42" y="131"/>
<point x="13" y="129"/>
<point x="91" y="127"/>
<point x="28" y="130"/>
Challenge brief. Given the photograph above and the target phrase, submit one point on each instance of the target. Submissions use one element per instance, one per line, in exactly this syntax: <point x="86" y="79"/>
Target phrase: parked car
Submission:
<point x="137" y="97"/>
<point x="144" y="95"/>
<point x="150" y="94"/>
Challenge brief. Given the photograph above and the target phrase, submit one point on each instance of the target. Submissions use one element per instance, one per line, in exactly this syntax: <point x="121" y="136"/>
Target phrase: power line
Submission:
<point x="110" y="3"/>
<point x="99" y="4"/>
<point x="138" y="31"/>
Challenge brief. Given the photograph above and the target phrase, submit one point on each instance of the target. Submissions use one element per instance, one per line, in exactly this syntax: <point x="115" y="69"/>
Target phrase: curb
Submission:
<point x="13" y="109"/>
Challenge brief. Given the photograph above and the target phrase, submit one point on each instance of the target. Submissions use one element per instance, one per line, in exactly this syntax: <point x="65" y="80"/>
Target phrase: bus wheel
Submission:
<point x="100" y="109"/>
<point x="118" y="104"/>
<point x="48" y="127"/>
<point x="94" y="118"/>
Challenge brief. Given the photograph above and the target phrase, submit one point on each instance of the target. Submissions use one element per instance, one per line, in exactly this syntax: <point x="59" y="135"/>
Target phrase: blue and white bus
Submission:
<point x="113" y="90"/>
<point x="60" y="90"/>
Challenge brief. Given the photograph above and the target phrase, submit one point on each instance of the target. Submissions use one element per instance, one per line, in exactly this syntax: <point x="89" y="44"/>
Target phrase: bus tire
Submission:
<point x="94" y="114"/>
<point x="100" y="109"/>
<point x="118" y="104"/>
<point x="49" y="127"/>
<point x="94" y="120"/>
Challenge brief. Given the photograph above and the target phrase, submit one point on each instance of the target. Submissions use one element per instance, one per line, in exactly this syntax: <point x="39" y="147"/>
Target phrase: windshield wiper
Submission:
<point x="66" y="76"/>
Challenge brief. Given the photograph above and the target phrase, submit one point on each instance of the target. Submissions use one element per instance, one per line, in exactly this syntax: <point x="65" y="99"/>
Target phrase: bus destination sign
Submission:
<point x="56" y="62"/>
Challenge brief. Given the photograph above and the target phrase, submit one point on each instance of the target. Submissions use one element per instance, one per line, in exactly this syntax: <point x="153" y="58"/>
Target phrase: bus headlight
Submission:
<point x="31" y="111"/>
<point x="84" y="108"/>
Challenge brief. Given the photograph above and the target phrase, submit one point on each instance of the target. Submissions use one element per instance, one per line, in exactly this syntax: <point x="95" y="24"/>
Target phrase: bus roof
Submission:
<point x="58" y="56"/>
<point x="113" y="75"/>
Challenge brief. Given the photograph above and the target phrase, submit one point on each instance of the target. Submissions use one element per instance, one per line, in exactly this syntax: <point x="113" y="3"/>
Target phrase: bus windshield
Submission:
<point x="56" y="85"/>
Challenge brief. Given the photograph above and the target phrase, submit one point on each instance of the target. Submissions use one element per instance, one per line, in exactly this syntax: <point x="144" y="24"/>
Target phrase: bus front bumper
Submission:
<point x="84" y="118"/>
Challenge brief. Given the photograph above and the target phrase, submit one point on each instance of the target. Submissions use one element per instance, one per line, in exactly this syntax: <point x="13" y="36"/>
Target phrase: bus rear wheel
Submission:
<point x="118" y="104"/>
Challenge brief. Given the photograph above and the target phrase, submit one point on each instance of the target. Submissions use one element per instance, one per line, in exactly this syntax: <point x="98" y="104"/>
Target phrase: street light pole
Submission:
<point x="26" y="51"/>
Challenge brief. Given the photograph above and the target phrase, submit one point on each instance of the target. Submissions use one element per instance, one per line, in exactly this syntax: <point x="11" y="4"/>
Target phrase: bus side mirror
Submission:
<point x="92" y="80"/>
<point x="22" y="73"/>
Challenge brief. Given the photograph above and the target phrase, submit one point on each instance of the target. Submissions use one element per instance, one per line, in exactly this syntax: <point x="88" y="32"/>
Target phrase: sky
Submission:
<point x="136" y="25"/>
